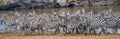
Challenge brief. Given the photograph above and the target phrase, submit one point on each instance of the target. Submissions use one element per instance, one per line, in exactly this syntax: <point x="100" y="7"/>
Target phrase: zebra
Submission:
<point x="113" y="23"/>
<point x="96" y="23"/>
<point x="27" y="29"/>
<point x="60" y="27"/>
<point x="77" y="25"/>
<point x="2" y="26"/>
<point x="56" y="26"/>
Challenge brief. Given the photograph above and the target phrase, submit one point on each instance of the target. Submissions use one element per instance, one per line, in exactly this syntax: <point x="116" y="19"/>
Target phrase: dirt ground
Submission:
<point x="12" y="36"/>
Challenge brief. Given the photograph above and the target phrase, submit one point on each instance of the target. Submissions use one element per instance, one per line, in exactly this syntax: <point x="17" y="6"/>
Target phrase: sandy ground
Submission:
<point x="12" y="36"/>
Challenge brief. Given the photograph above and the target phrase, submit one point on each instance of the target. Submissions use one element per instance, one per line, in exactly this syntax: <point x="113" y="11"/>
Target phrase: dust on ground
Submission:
<point x="59" y="36"/>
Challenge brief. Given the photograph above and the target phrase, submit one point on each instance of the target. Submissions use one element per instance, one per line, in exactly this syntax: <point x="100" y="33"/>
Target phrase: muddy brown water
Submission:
<point x="71" y="10"/>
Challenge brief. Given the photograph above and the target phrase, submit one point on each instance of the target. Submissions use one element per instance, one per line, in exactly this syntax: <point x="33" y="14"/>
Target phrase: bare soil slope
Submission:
<point x="12" y="36"/>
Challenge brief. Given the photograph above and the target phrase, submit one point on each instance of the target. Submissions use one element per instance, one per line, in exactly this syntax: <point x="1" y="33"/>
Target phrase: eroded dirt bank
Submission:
<point x="12" y="36"/>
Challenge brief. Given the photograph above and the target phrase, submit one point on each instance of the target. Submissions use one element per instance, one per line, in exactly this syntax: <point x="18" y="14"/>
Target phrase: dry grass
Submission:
<point x="13" y="36"/>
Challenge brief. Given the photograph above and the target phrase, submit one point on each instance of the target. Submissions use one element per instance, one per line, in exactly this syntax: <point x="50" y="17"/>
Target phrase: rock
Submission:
<point x="26" y="5"/>
<point x="71" y="4"/>
<point x="18" y="6"/>
<point x="2" y="7"/>
<point x="37" y="6"/>
<point x="12" y="6"/>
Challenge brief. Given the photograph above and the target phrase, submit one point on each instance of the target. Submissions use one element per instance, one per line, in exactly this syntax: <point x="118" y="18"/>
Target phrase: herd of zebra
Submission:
<point x="80" y="22"/>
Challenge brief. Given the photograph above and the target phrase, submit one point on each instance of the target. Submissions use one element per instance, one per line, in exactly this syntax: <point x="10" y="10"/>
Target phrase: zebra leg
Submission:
<point x="25" y="31"/>
<point x="92" y="31"/>
<point x="42" y="31"/>
<point x="31" y="31"/>
<point x="65" y="29"/>
<point x="78" y="31"/>
<point x="22" y="31"/>
<point x="38" y="30"/>
<point x="57" y="30"/>
<point x="103" y="30"/>
<point x="115" y="31"/>
<point x="85" y="30"/>
<point x="70" y="30"/>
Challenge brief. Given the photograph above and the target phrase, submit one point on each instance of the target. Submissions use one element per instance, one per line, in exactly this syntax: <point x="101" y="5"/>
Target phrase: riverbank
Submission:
<point x="68" y="9"/>
<point x="7" y="36"/>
